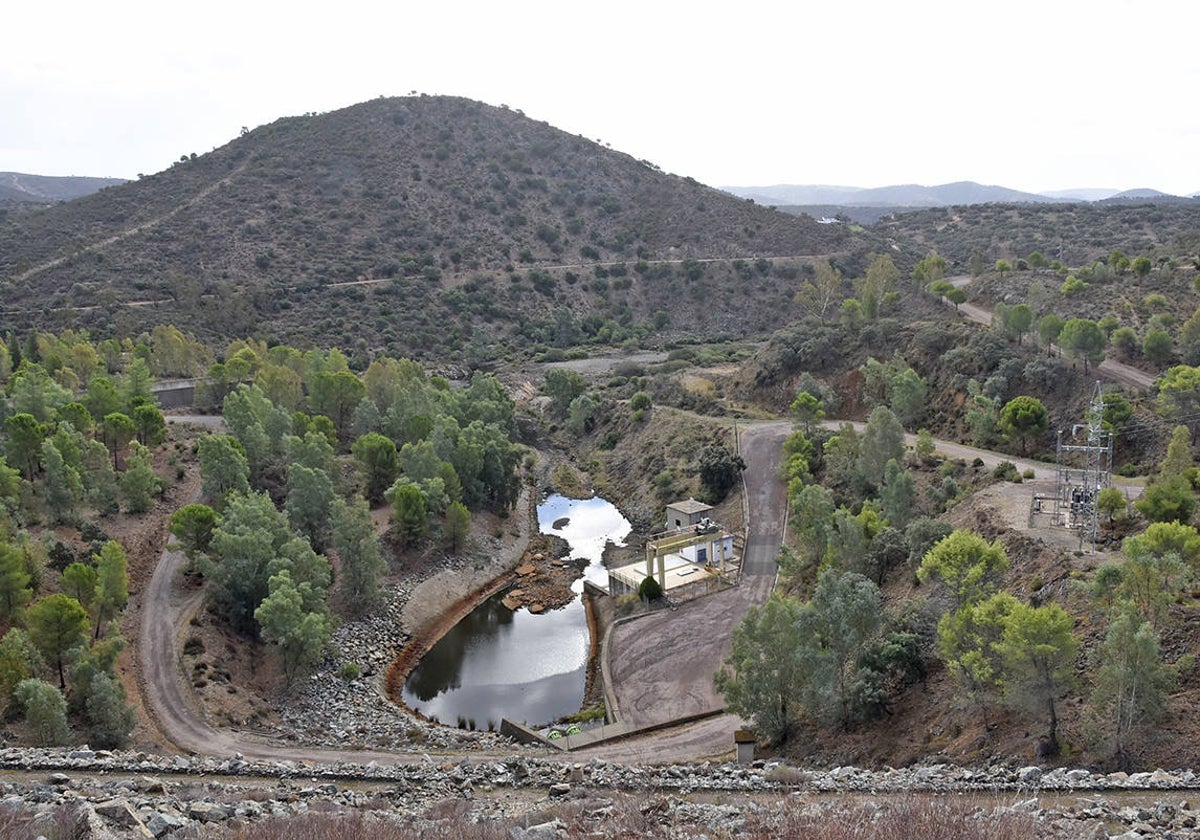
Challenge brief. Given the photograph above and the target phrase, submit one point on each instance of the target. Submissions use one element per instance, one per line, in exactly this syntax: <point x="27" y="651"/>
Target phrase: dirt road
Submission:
<point x="674" y="680"/>
<point x="661" y="665"/>
<point x="1109" y="369"/>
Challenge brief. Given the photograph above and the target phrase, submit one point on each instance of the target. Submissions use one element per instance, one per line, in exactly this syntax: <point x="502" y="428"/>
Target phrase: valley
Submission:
<point x="408" y="323"/>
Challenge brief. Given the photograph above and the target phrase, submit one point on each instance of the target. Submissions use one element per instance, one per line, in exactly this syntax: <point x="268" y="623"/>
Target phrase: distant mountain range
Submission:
<point x="916" y="195"/>
<point x="19" y="188"/>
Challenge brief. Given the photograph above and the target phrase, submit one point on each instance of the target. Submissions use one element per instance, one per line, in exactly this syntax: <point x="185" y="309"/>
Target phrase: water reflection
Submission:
<point x="497" y="663"/>
<point x="591" y="524"/>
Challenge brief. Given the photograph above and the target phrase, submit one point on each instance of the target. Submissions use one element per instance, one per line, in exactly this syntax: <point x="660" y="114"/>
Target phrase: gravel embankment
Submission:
<point x="128" y="794"/>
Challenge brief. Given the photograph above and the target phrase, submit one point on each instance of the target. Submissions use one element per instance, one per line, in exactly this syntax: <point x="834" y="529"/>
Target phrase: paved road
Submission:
<point x="662" y="666"/>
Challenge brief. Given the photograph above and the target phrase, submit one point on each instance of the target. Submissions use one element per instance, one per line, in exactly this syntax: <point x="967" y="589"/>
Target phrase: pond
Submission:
<point x="497" y="663"/>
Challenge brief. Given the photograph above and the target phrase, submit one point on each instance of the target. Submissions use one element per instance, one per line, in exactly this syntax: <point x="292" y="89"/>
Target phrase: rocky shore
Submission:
<point x="333" y="710"/>
<point x="132" y="794"/>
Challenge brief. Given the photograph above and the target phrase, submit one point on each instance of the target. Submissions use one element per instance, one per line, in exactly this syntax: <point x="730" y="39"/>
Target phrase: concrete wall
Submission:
<point x="179" y="397"/>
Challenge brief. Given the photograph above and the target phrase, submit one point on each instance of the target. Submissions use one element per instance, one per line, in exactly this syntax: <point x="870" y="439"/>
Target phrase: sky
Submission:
<point x="1036" y="96"/>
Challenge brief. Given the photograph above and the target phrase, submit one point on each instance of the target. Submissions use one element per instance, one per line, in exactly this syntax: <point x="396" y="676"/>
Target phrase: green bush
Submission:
<point x="1007" y="471"/>
<point x="650" y="590"/>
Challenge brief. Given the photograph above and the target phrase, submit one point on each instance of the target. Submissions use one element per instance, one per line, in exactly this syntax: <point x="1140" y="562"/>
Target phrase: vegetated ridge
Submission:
<point x="20" y="191"/>
<point x="1075" y="234"/>
<point x="899" y="195"/>
<point x="463" y="224"/>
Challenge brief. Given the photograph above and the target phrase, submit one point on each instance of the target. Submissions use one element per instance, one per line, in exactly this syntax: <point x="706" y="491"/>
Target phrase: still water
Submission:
<point x="497" y="663"/>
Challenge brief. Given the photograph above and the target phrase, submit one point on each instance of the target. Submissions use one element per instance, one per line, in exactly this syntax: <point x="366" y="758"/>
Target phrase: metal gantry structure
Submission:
<point x="1076" y="490"/>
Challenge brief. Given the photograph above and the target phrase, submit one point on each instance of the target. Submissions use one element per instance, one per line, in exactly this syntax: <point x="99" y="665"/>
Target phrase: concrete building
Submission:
<point x="686" y="513"/>
<point x="693" y="558"/>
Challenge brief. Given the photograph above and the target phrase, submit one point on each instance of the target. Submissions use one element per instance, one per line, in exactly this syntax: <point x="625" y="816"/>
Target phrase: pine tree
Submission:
<point x="57" y="624"/>
<point x="1132" y="682"/>
<point x="139" y="484"/>
<point x="112" y="583"/>
<point x="46" y="711"/>
<point x="299" y="635"/>
<point x="15" y="591"/>
<point x="109" y="717"/>
<point x="99" y="479"/>
<point x="357" y="545"/>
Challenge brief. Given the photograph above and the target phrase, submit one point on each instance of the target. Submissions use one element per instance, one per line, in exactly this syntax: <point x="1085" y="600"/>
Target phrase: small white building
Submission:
<point x="686" y="513"/>
<point x="717" y="548"/>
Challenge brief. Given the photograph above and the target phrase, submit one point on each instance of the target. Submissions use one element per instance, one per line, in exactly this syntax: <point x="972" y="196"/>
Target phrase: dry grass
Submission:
<point x="360" y="827"/>
<point x="913" y="819"/>
<point x="921" y="818"/>
<point x="25" y="823"/>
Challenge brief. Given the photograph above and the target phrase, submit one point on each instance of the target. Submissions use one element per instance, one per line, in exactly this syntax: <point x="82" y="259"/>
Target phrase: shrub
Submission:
<point x="639" y="401"/>
<point x="1073" y="286"/>
<point x="1007" y="471"/>
<point x="626" y="604"/>
<point x="650" y="590"/>
<point x="46" y="710"/>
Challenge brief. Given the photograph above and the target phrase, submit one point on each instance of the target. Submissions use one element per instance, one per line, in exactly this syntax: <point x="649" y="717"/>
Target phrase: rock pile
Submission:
<point x="335" y="711"/>
<point x="127" y="794"/>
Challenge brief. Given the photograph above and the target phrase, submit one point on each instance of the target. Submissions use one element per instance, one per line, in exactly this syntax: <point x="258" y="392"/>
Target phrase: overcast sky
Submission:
<point x="1030" y="94"/>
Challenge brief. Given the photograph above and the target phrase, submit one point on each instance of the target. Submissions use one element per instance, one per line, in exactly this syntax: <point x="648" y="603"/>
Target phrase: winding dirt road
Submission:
<point x="674" y="680"/>
<point x="1110" y="369"/>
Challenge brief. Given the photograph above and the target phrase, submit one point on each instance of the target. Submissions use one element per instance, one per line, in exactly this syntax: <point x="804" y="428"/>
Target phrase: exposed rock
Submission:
<point x="119" y="811"/>
<point x="208" y="812"/>
<point x="161" y="824"/>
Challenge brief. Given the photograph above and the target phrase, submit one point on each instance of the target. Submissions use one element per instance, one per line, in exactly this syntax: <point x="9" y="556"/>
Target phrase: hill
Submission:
<point x="900" y="195"/>
<point x="1075" y="234"/>
<point x="868" y="206"/>
<point x="20" y="192"/>
<point x="418" y="225"/>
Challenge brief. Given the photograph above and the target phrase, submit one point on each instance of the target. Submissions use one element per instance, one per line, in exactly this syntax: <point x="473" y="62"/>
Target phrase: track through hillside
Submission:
<point x="1110" y="369"/>
<point x="132" y="231"/>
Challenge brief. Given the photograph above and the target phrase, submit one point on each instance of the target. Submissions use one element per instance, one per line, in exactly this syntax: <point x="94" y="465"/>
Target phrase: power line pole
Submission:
<point x="1077" y="492"/>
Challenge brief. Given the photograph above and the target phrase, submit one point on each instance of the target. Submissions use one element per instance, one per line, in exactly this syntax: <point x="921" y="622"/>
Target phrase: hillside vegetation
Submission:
<point x="466" y="225"/>
<point x="1075" y="234"/>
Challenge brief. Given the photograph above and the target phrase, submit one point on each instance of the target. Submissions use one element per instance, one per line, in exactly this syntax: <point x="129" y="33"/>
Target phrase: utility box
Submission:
<point x="744" y="740"/>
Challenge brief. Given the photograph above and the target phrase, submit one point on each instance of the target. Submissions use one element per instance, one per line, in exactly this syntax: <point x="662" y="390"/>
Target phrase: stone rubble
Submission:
<point x="332" y="711"/>
<point x="135" y="794"/>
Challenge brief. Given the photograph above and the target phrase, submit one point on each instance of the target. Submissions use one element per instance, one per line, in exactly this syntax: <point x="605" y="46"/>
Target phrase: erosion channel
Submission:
<point x="502" y="663"/>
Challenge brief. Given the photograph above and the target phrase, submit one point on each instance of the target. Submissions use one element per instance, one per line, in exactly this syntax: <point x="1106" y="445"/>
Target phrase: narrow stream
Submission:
<point x="497" y="663"/>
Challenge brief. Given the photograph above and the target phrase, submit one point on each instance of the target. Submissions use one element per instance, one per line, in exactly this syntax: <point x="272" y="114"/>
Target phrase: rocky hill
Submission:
<point x="419" y="225"/>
